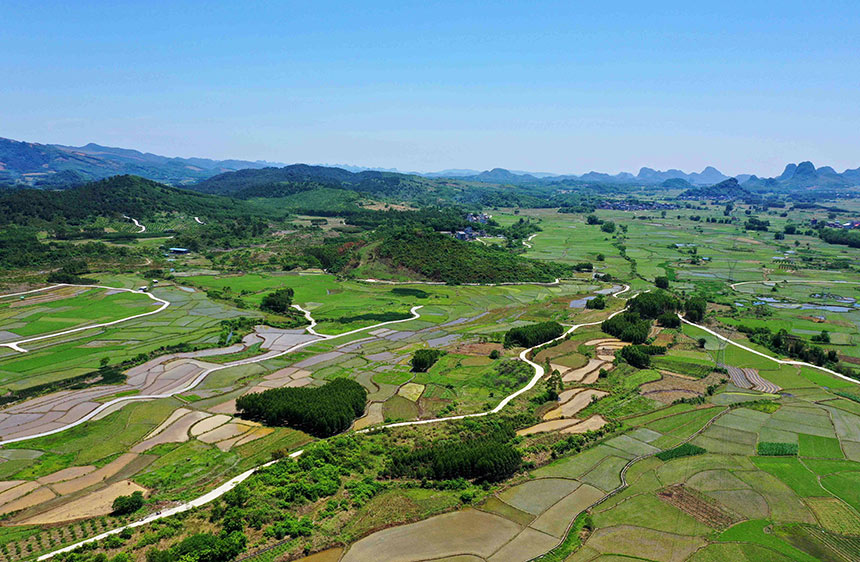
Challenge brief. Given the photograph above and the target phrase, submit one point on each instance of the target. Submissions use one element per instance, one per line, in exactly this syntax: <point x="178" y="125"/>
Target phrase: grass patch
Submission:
<point x="571" y="542"/>
<point x="754" y="532"/>
<point x="766" y="406"/>
<point x="845" y="485"/>
<point x="817" y="446"/>
<point x="849" y="395"/>
<point x="793" y="473"/>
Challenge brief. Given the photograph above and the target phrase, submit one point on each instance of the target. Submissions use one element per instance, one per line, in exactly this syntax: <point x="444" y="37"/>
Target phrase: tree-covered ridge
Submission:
<point x="129" y="195"/>
<point x="321" y="411"/>
<point x="438" y="257"/>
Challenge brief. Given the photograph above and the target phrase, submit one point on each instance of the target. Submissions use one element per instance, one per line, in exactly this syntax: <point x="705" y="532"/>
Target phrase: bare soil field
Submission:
<point x="91" y="505"/>
<point x="66" y="474"/>
<point x="94" y="477"/>
<point x="208" y="424"/>
<point x="15" y="492"/>
<point x="37" y="496"/>
<point x="176" y="433"/>
<point x="594" y="422"/>
<point x="225" y="431"/>
<point x="576" y="403"/>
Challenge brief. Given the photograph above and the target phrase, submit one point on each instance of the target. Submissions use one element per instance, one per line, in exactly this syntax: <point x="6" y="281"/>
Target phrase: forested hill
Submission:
<point x="51" y="166"/>
<point x="290" y="181"/>
<point x="438" y="257"/>
<point x="120" y="195"/>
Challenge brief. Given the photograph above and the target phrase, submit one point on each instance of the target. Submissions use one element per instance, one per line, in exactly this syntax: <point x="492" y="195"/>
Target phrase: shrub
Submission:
<point x="685" y="450"/>
<point x="124" y="505"/>
<point x="202" y="547"/>
<point x="773" y="449"/>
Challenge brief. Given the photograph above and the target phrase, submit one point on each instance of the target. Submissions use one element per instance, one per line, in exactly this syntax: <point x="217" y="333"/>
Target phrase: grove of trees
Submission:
<point x="423" y="359"/>
<point x="278" y="302"/>
<point x="533" y="334"/>
<point x="321" y="411"/>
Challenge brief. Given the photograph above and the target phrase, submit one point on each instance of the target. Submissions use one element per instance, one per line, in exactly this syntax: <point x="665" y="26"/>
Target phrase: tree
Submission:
<point x="124" y="505"/>
<point x="554" y="385"/>
<point x="669" y="320"/>
<point x="608" y="227"/>
<point x="662" y="282"/>
<point x="695" y="308"/>
<point x="823" y="337"/>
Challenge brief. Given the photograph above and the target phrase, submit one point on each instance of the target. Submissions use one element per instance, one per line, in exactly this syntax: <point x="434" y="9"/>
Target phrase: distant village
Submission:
<point x="636" y="206"/>
<point x="849" y="225"/>
<point x="471" y="233"/>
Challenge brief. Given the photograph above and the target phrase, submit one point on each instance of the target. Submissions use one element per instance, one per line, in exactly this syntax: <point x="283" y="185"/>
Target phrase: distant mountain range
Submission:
<point x="54" y="165"/>
<point x="796" y="176"/>
<point x="57" y="166"/>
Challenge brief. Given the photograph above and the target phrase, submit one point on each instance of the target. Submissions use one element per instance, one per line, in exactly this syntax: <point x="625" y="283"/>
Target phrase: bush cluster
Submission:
<point x="774" y="449"/>
<point x="685" y="450"/>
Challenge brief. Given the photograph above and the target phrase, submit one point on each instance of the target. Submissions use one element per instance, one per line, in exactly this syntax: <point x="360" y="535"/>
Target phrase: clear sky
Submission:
<point x="543" y="86"/>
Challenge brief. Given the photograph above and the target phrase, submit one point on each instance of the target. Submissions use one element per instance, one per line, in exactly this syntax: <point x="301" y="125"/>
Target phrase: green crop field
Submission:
<point x="38" y="313"/>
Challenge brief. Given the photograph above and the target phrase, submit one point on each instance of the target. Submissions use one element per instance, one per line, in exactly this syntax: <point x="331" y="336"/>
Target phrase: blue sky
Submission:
<point x="543" y="86"/>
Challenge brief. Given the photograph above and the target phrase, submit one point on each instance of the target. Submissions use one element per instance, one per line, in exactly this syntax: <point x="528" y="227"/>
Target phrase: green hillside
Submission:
<point x="120" y="195"/>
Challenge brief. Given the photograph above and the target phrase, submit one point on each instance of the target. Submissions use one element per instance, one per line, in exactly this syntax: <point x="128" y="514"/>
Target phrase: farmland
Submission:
<point x="669" y="461"/>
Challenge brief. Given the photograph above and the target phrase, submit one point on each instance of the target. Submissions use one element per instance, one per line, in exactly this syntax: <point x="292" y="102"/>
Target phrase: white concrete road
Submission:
<point x="16" y="345"/>
<point x="136" y="223"/>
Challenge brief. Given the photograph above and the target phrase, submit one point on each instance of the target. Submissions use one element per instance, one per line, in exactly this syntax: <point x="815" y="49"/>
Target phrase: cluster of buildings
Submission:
<point x="850" y="225"/>
<point x="480" y="218"/>
<point x="468" y="233"/>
